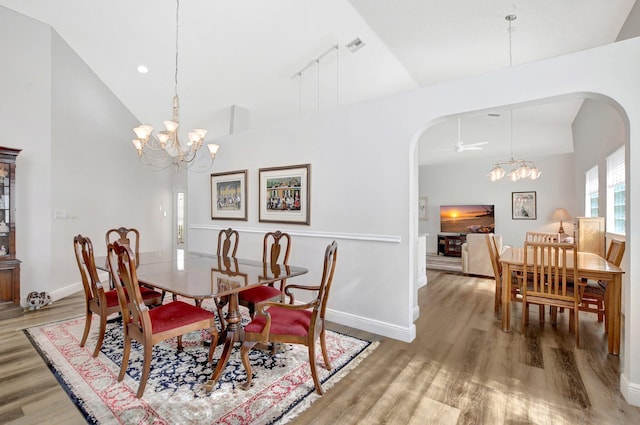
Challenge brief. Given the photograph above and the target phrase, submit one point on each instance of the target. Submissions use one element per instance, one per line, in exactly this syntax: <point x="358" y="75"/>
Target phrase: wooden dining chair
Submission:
<point x="594" y="294"/>
<point x="99" y="301"/>
<point x="278" y="322"/>
<point x="276" y="247"/>
<point x="546" y="237"/>
<point x="551" y="270"/>
<point x="150" y="326"/>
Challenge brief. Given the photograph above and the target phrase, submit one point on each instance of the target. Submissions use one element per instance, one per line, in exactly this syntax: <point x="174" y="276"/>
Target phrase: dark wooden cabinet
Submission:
<point x="451" y="245"/>
<point x="9" y="264"/>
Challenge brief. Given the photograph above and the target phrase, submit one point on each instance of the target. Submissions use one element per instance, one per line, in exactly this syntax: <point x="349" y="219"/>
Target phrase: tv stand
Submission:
<point x="450" y="245"/>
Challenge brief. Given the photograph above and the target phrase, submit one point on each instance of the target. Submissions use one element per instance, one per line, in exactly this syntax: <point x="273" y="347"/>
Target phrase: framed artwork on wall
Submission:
<point x="229" y="195"/>
<point x="284" y="194"/>
<point x="423" y="212"/>
<point x="523" y="206"/>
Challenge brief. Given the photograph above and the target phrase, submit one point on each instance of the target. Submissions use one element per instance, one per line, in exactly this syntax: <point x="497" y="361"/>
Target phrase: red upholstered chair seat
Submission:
<point x="260" y="293"/>
<point x="283" y="322"/>
<point x="176" y="314"/>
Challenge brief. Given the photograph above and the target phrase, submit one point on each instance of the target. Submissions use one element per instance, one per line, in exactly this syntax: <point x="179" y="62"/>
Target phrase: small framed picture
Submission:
<point x="523" y="206"/>
<point x="423" y="209"/>
<point x="284" y="194"/>
<point x="229" y="195"/>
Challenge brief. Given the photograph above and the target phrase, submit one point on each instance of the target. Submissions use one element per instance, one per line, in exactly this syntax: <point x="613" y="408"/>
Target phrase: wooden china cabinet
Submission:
<point x="9" y="264"/>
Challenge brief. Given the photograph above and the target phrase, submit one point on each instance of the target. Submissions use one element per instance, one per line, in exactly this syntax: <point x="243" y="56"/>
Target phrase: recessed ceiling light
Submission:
<point x="355" y="45"/>
<point x="142" y="69"/>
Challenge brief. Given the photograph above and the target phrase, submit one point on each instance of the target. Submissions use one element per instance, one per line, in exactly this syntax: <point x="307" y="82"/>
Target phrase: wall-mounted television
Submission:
<point x="467" y="219"/>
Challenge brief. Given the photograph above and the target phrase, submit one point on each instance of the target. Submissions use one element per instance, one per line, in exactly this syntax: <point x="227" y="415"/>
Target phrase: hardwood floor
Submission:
<point x="460" y="369"/>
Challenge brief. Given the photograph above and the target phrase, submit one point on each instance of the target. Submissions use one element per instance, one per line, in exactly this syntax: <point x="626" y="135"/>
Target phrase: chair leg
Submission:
<point x="87" y="327"/>
<point x="312" y="364"/>
<point x="244" y="354"/>
<point x="125" y="357"/>
<point x="325" y="353"/>
<point x="576" y="326"/>
<point x="146" y="368"/>
<point x="103" y="328"/>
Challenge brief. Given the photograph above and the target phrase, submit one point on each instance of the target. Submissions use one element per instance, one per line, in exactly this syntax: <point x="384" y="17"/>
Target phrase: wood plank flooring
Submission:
<point x="460" y="369"/>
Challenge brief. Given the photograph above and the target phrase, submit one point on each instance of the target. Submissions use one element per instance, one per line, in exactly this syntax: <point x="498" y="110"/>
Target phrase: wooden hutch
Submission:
<point x="9" y="264"/>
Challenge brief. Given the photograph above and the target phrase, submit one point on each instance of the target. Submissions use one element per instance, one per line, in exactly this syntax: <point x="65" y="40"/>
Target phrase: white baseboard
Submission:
<point x="373" y="326"/>
<point x="630" y="391"/>
<point x="422" y="281"/>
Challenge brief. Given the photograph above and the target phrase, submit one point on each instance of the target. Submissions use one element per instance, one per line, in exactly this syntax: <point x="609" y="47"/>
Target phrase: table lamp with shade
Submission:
<point x="561" y="214"/>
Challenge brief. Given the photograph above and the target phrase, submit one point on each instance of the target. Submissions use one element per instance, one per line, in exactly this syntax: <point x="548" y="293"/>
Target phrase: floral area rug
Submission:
<point x="282" y="385"/>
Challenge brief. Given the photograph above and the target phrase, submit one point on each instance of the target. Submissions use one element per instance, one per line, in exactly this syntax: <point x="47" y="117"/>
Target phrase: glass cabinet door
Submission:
<point x="5" y="209"/>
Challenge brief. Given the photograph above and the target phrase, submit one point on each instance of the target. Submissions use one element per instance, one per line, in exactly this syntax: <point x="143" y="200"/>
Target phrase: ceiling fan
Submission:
<point x="461" y="147"/>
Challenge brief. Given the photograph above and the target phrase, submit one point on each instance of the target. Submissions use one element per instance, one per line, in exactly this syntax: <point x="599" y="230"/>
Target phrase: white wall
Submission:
<point x="599" y="130"/>
<point x="466" y="183"/>
<point x="365" y="180"/>
<point x="76" y="158"/>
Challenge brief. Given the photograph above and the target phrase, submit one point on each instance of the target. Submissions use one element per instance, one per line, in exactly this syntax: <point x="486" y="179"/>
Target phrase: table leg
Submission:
<point x="614" y="288"/>
<point x="506" y="297"/>
<point x="233" y="333"/>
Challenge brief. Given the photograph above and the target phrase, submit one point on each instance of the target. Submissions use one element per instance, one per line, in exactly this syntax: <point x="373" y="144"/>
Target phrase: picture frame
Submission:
<point x="423" y="208"/>
<point x="229" y="195"/>
<point x="523" y="206"/>
<point x="284" y="194"/>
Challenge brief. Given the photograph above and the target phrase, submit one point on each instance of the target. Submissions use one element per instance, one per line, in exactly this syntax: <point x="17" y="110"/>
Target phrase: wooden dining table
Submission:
<point x="590" y="266"/>
<point x="202" y="276"/>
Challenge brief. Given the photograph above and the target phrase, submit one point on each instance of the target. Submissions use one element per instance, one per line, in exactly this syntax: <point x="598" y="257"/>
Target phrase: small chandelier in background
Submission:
<point x="520" y="168"/>
<point x="165" y="149"/>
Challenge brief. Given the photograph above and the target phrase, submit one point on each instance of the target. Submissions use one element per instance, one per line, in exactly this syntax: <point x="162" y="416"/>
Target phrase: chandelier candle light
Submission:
<point x="520" y="168"/>
<point x="165" y="149"/>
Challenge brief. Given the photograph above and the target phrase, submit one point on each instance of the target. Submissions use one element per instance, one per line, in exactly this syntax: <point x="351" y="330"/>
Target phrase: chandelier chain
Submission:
<point x="177" y="31"/>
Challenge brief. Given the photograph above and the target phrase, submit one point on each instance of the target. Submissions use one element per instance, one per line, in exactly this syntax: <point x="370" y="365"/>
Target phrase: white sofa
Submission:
<point x="475" y="255"/>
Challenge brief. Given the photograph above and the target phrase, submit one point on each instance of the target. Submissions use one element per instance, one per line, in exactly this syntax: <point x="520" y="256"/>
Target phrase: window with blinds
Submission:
<point x="591" y="192"/>
<point x="615" y="192"/>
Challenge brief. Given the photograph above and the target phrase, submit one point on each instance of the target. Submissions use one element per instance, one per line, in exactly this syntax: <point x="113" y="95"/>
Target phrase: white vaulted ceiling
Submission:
<point x="248" y="52"/>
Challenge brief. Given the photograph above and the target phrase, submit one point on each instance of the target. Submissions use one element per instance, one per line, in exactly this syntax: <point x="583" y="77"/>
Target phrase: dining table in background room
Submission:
<point x="590" y="266"/>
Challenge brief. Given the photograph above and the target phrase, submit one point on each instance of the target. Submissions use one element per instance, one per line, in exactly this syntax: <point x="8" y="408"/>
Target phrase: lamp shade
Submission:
<point x="561" y="214"/>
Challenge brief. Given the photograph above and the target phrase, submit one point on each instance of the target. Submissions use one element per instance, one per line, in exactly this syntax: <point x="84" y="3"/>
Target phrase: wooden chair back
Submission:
<point x="552" y="275"/>
<point x="494" y="256"/>
<point x="616" y="251"/>
<point x="277" y="322"/>
<point x="227" y="243"/>
<point x="276" y="247"/>
<point x="545" y="237"/>
<point x="128" y="236"/>
<point x="122" y="263"/>
<point x="86" y="264"/>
